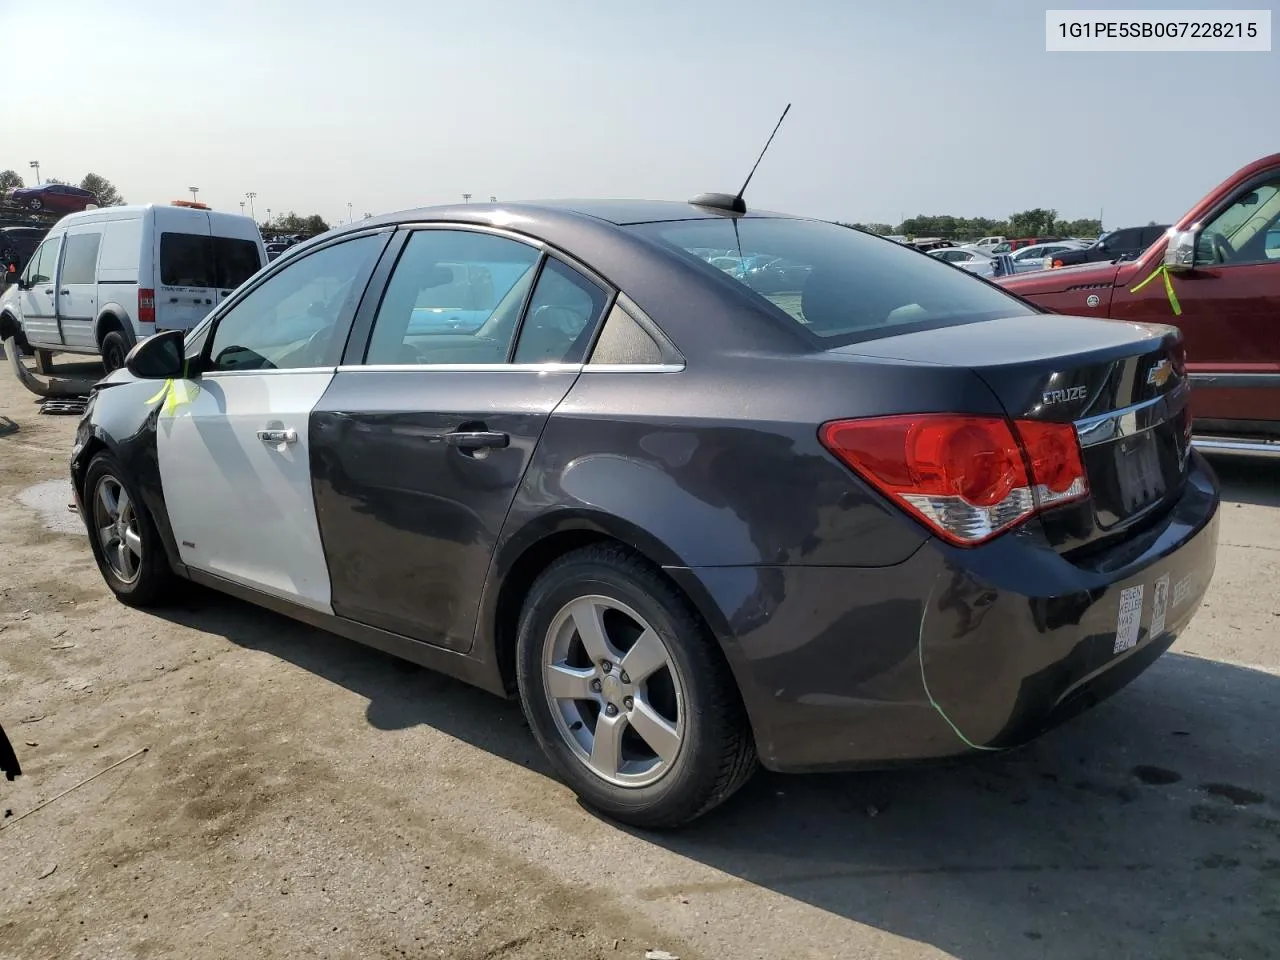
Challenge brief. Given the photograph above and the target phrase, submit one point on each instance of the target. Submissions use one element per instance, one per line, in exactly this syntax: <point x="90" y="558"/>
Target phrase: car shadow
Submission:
<point x="1147" y="827"/>
<point x="1247" y="480"/>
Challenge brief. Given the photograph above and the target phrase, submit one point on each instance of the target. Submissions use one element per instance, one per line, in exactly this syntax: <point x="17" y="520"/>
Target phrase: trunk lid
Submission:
<point x="1123" y="385"/>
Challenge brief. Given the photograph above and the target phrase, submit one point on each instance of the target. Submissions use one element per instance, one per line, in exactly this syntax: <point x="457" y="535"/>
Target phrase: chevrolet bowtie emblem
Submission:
<point x="1159" y="374"/>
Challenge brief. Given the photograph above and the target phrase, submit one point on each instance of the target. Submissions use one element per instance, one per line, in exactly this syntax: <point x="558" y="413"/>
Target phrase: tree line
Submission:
<point x="1029" y="223"/>
<point x="109" y="196"/>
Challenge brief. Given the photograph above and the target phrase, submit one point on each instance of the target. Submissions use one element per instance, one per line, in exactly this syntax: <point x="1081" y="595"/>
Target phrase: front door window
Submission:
<point x="1240" y="233"/>
<point x="287" y="322"/>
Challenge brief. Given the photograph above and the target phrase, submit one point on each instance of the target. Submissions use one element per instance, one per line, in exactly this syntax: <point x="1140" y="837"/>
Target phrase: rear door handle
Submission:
<point x="288" y="435"/>
<point x="65" y="293"/>
<point x="477" y="439"/>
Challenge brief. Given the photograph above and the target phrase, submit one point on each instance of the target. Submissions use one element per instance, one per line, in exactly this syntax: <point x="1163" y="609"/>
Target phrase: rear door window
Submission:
<point x="561" y="316"/>
<point x="843" y="285"/>
<point x="185" y="260"/>
<point x="456" y="297"/>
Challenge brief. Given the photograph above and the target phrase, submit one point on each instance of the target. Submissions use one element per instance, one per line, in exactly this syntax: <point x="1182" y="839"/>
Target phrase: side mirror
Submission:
<point x="158" y="357"/>
<point x="1180" y="252"/>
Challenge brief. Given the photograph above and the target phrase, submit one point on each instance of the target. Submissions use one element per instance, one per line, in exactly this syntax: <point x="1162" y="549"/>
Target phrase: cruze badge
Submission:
<point x="1159" y="373"/>
<point x="1063" y="395"/>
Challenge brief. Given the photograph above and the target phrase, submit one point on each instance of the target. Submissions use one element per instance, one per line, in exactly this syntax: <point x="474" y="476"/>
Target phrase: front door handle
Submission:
<point x="49" y="291"/>
<point x="477" y="439"/>
<point x="287" y="435"/>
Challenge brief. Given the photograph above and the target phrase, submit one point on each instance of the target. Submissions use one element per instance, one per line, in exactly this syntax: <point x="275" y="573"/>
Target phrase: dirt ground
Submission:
<point x="302" y="796"/>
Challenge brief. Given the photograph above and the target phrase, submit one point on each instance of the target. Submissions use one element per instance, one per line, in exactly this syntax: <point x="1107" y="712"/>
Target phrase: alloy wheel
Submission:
<point x="116" y="520"/>
<point x="614" y="691"/>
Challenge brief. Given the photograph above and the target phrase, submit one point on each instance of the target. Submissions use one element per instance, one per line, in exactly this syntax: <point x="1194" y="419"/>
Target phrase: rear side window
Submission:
<point x="560" y="318"/>
<point x="80" y="262"/>
<point x="185" y="260"/>
<point x="835" y="283"/>
<point x="235" y="261"/>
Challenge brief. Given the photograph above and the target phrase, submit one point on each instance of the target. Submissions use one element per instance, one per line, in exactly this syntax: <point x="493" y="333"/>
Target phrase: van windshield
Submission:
<point x="837" y="283"/>
<point x="198" y="260"/>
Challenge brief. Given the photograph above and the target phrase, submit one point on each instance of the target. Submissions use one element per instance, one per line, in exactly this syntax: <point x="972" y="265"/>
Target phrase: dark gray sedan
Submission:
<point x="877" y="510"/>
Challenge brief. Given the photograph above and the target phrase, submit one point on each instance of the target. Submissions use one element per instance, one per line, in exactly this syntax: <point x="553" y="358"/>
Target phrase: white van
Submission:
<point x="104" y="279"/>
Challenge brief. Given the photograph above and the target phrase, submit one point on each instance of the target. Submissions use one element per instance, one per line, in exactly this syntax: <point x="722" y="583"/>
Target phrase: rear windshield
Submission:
<point x="837" y="283"/>
<point x="198" y="260"/>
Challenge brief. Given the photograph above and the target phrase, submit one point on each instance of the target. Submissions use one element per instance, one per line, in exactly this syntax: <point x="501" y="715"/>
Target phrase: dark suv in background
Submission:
<point x="16" y="246"/>
<point x="1124" y="244"/>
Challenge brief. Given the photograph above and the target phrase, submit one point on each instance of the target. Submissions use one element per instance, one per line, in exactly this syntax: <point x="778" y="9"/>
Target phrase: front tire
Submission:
<point x="114" y="350"/>
<point x="125" y="542"/>
<point x="627" y="692"/>
<point x="36" y="204"/>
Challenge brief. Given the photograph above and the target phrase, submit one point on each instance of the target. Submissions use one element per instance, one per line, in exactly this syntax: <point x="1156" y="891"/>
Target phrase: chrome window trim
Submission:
<point x="215" y="374"/>
<point x="1132" y="420"/>
<point x="461" y="367"/>
<point x="633" y="368"/>
<point x="501" y="368"/>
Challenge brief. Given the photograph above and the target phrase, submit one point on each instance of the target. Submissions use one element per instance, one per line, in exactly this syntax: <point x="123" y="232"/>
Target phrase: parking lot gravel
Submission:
<point x="302" y="796"/>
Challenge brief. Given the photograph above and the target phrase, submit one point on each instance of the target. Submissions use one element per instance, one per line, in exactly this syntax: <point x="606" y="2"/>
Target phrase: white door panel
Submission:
<point x="242" y="507"/>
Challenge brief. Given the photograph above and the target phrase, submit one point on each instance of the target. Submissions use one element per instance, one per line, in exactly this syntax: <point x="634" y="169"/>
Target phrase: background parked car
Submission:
<point x="966" y="258"/>
<point x="1122" y="244"/>
<point x="54" y="197"/>
<point x="1034" y="256"/>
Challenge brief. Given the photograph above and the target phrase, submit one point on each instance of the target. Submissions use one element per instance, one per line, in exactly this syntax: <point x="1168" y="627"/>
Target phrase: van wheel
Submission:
<point x="44" y="362"/>
<point x="627" y="693"/>
<point x="114" y="350"/>
<point x="123" y="536"/>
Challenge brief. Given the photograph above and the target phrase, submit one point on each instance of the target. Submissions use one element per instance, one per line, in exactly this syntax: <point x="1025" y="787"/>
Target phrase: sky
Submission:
<point x="898" y="108"/>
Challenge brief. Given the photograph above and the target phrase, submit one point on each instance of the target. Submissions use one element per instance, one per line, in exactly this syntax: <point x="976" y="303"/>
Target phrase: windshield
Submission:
<point x="837" y="283"/>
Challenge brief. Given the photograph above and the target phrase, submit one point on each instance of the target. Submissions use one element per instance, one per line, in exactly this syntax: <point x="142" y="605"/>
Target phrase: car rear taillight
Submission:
<point x="967" y="478"/>
<point x="146" y="305"/>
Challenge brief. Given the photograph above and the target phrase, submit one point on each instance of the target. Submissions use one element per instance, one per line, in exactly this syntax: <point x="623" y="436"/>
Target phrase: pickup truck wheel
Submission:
<point x="114" y="350"/>
<point x="44" y="362"/>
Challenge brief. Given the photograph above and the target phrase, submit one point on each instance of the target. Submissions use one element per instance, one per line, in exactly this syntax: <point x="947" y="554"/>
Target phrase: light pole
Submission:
<point x="194" y="191"/>
<point x="349" y="216"/>
<point x="242" y="208"/>
<point x="466" y="198"/>
<point x="268" y="216"/>
<point x="250" y="195"/>
<point x="493" y="199"/>
<point x="36" y="165"/>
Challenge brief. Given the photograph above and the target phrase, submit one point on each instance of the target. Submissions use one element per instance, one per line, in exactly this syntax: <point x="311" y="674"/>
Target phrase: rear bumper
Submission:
<point x="952" y="650"/>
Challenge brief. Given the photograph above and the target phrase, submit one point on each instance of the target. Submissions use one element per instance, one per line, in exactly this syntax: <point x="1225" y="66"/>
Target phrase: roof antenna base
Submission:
<point x="720" y="201"/>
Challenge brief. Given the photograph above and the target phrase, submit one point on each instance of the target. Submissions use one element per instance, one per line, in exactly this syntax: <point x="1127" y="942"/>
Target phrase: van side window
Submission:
<point x="80" y="263"/>
<point x="235" y="261"/>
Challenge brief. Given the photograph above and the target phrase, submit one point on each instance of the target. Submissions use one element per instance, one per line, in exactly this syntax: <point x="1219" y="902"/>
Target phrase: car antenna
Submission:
<point x="735" y="203"/>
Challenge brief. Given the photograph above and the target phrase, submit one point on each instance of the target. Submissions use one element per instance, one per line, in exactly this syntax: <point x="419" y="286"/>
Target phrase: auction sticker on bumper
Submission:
<point x="1129" y="619"/>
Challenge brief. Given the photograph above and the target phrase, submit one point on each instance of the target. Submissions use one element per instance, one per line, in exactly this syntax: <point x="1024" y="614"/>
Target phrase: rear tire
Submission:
<point x="680" y="742"/>
<point x="114" y="349"/>
<point x="44" y="362"/>
<point x="123" y="536"/>
<point x="36" y="204"/>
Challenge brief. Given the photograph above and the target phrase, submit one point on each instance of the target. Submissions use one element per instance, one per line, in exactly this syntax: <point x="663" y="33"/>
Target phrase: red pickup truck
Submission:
<point x="1216" y="275"/>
